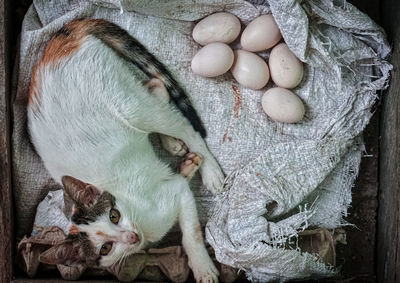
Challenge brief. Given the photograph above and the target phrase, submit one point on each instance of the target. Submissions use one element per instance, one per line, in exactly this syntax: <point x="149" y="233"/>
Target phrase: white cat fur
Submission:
<point x="92" y="120"/>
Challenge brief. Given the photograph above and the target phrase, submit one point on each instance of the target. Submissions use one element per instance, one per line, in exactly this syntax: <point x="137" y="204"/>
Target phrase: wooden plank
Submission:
<point x="388" y="247"/>
<point x="6" y="236"/>
<point x="54" y="280"/>
<point x="357" y="259"/>
<point x="363" y="252"/>
<point x="57" y="280"/>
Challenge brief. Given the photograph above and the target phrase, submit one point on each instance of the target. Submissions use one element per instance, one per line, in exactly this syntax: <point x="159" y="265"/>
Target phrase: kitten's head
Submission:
<point x="102" y="232"/>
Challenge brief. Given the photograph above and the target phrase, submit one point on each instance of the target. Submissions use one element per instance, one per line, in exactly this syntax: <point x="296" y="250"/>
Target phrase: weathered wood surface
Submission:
<point x="388" y="246"/>
<point x="57" y="280"/>
<point x="6" y="241"/>
<point x="358" y="257"/>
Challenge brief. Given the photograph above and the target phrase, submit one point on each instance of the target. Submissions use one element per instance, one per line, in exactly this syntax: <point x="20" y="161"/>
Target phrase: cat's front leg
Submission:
<point x="156" y="115"/>
<point x="200" y="262"/>
<point x="210" y="170"/>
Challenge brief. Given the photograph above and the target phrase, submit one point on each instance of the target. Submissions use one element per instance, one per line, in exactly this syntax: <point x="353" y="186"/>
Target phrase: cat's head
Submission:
<point x="102" y="232"/>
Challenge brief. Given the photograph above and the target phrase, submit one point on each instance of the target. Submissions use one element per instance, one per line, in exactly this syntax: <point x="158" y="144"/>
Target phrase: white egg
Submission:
<point x="262" y="33"/>
<point x="219" y="27"/>
<point x="286" y="69"/>
<point x="250" y="70"/>
<point x="212" y="60"/>
<point x="282" y="105"/>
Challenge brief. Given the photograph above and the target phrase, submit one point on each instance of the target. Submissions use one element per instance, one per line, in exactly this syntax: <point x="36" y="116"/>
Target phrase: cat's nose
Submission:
<point x="130" y="237"/>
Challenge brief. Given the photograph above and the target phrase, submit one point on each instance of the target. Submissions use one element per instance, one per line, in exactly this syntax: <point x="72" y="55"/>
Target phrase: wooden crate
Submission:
<point x="6" y="207"/>
<point x="371" y="254"/>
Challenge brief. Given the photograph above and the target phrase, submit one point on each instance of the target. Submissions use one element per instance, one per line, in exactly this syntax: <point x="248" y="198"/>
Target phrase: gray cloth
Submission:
<point x="282" y="178"/>
<point x="51" y="212"/>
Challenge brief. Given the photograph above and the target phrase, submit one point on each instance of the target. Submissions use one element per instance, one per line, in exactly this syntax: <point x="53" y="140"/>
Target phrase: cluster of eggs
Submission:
<point x="218" y="30"/>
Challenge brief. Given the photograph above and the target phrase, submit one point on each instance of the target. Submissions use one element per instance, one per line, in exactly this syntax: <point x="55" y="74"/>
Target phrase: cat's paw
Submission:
<point x="212" y="175"/>
<point x="157" y="88"/>
<point x="205" y="272"/>
<point x="174" y="146"/>
<point x="190" y="165"/>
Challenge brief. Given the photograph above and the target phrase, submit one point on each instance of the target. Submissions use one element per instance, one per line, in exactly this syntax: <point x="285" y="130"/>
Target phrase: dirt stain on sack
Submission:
<point x="238" y="104"/>
<point x="238" y="100"/>
<point x="225" y="137"/>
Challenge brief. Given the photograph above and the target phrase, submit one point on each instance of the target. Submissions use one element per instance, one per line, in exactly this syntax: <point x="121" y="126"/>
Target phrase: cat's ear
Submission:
<point x="79" y="191"/>
<point x="70" y="252"/>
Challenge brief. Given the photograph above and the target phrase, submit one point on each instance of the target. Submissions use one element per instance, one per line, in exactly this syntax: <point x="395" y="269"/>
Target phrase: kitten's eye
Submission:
<point x="114" y="216"/>
<point x="106" y="248"/>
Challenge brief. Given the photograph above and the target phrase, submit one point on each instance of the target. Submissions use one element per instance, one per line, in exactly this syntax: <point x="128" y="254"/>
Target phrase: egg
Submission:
<point x="282" y="105"/>
<point x="219" y="27"/>
<point x="286" y="70"/>
<point x="212" y="60"/>
<point x="250" y="70"/>
<point x="261" y="34"/>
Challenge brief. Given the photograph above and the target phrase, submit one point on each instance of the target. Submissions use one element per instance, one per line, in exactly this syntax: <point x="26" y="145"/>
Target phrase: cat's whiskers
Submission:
<point x="122" y="259"/>
<point x="125" y="257"/>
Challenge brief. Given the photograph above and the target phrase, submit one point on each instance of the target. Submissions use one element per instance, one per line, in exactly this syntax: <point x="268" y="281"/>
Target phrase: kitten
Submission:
<point x="89" y="116"/>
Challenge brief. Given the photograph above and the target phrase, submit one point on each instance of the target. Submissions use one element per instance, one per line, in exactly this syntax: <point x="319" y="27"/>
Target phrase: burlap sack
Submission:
<point x="305" y="169"/>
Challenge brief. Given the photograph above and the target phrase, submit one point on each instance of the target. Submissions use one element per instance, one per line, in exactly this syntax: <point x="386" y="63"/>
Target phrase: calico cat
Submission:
<point x="95" y="96"/>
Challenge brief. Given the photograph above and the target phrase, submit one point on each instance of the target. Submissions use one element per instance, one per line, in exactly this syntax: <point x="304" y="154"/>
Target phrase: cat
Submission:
<point x="94" y="97"/>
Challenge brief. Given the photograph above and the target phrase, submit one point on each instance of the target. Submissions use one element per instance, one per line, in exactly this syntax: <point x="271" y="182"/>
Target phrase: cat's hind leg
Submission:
<point x="181" y="122"/>
<point x="157" y="88"/>
<point x="168" y="121"/>
<point x="174" y="146"/>
<point x="175" y="129"/>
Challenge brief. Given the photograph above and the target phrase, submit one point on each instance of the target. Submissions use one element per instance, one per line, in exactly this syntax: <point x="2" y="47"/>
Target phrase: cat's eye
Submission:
<point x="106" y="248"/>
<point x="114" y="215"/>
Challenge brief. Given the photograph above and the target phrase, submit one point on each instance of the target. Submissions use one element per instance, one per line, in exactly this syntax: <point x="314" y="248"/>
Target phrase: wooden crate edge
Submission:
<point x="6" y="215"/>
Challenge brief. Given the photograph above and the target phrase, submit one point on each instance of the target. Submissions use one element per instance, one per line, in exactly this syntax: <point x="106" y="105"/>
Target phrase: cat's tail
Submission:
<point x="133" y="51"/>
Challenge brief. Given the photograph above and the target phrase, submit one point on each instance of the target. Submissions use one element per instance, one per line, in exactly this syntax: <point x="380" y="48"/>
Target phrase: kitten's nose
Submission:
<point x="129" y="237"/>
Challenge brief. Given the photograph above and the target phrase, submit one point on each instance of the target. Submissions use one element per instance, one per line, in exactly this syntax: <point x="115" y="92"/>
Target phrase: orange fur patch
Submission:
<point x="69" y="39"/>
<point x="100" y="233"/>
<point x="63" y="44"/>
<point x="73" y="230"/>
<point x="33" y="94"/>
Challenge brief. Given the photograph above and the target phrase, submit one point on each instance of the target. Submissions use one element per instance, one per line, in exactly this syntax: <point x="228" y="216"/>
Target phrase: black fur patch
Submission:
<point x="86" y="247"/>
<point x="63" y="31"/>
<point x="133" y="51"/>
<point x="85" y="214"/>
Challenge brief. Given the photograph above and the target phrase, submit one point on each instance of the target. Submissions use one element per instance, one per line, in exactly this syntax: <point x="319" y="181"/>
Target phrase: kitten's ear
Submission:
<point x="70" y="252"/>
<point x="79" y="191"/>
